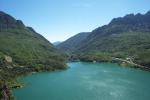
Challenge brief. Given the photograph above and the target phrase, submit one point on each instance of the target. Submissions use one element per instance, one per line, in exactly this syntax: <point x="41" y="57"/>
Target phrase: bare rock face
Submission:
<point x="8" y="59"/>
<point x="5" y="93"/>
<point x="8" y="22"/>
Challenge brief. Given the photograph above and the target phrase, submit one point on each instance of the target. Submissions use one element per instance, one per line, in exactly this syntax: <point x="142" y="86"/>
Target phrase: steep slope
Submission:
<point x="124" y="37"/>
<point x="70" y="44"/>
<point x="128" y="24"/>
<point x="25" y="46"/>
<point x="23" y="50"/>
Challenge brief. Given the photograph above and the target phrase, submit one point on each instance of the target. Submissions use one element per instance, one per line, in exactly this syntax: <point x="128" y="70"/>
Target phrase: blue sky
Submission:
<point x="57" y="20"/>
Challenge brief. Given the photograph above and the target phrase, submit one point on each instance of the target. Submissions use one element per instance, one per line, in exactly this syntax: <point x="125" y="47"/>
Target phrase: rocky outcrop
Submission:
<point x="5" y="93"/>
<point x="8" y="22"/>
<point x="8" y="59"/>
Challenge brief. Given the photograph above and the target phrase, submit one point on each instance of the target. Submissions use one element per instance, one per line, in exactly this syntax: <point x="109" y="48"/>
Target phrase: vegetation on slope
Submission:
<point x="29" y="49"/>
<point x="23" y="50"/>
<point x="125" y="37"/>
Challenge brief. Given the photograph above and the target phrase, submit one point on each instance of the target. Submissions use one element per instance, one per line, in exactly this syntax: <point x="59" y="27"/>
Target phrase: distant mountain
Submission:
<point x="71" y="44"/>
<point x="125" y="37"/>
<point x="56" y="43"/>
<point x="25" y="46"/>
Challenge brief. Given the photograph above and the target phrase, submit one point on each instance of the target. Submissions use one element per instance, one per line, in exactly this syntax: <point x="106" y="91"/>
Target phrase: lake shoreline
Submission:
<point x="119" y="61"/>
<point x="21" y="85"/>
<point x="76" y="77"/>
<point x="6" y="90"/>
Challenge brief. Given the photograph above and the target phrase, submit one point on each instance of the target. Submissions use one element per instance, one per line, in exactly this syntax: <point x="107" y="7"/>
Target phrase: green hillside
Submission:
<point x="26" y="46"/>
<point x="23" y="50"/>
<point x="124" y="37"/>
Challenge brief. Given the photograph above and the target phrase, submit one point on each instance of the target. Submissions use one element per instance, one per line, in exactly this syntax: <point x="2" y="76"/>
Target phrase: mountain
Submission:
<point x="56" y="43"/>
<point x="25" y="45"/>
<point x="70" y="44"/>
<point x="23" y="50"/>
<point x="124" y="37"/>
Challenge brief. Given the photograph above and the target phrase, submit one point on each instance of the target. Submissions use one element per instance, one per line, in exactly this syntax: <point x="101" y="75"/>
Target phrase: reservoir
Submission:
<point x="86" y="81"/>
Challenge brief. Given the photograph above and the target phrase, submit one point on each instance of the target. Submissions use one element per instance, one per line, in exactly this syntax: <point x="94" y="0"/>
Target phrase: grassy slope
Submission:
<point x="27" y="49"/>
<point x="135" y="45"/>
<point x="124" y="37"/>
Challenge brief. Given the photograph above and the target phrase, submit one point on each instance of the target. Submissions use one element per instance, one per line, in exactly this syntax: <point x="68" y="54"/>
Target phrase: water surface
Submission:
<point x="87" y="81"/>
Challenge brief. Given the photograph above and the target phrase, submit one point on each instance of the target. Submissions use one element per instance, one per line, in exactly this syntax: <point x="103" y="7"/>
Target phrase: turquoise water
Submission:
<point x="87" y="81"/>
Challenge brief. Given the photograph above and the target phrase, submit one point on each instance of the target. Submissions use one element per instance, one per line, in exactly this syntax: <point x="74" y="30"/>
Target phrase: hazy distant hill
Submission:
<point x="127" y="36"/>
<point x="56" y="43"/>
<point x="71" y="44"/>
<point x="25" y="45"/>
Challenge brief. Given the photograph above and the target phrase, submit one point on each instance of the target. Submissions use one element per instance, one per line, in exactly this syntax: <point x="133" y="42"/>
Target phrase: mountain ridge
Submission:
<point x="125" y="37"/>
<point x="22" y="51"/>
<point x="17" y="32"/>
